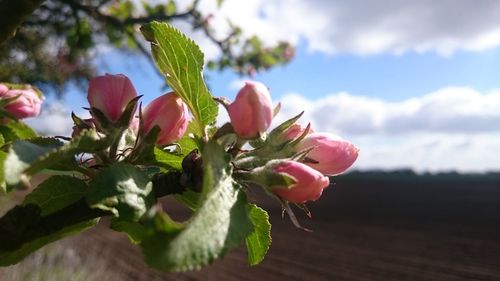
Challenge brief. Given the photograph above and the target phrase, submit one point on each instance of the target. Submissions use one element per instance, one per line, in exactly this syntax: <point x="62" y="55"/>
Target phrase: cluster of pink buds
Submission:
<point x="124" y="156"/>
<point x="303" y="157"/>
<point x="113" y="99"/>
<point x="290" y="161"/>
<point x="20" y="102"/>
<point x="132" y="131"/>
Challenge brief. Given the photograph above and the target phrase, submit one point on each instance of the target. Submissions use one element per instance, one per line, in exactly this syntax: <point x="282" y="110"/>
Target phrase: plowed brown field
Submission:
<point x="364" y="229"/>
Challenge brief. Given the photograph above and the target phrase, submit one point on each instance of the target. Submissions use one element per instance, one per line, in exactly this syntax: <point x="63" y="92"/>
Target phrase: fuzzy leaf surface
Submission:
<point x="122" y="189"/>
<point x="220" y="223"/>
<point x="16" y="130"/>
<point x="181" y="61"/>
<point x="27" y="157"/>
<point x="23" y="229"/>
<point x="55" y="193"/>
<point x="259" y="240"/>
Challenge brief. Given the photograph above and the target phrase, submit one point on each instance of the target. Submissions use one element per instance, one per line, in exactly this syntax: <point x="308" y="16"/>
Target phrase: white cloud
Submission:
<point x="447" y="110"/>
<point x="236" y="84"/>
<point x="430" y="152"/>
<point x="210" y="50"/>
<point x="54" y="120"/>
<point x="366" y="26"/>
<point x="454" y="128"/>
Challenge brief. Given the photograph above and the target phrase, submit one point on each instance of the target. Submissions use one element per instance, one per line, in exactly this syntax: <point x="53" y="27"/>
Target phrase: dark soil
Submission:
<point x="364" y="228"/>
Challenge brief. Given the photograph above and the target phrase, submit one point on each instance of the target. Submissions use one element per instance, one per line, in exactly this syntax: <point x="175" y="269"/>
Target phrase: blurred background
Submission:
<point x="414" y="84"/>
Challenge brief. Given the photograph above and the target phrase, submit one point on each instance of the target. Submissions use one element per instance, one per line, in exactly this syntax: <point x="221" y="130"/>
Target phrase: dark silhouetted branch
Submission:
<point x="13" y="13"/>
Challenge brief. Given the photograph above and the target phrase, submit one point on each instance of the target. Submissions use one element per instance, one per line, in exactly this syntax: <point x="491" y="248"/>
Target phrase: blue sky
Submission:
<point x="413" y="84"/>
<point x="389" y="77"/>
<point x="386" y="76"/>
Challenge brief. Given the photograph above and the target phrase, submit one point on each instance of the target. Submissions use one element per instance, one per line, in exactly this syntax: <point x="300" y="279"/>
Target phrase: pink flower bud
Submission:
<point x="333" y="154"/>
<point x="27" y="104"/>
<point x="308" y="186"/>
<point x="110" y="94"/>
<point x="251" y="112"/>
<point x="3" y="88"/>
<point x="294" y="131"/>
<point x="169" y="112"/>
<point x="134" y="125"/>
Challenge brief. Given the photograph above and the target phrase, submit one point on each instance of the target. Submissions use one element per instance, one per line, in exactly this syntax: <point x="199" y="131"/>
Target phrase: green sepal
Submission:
<point x="127" y="115"/>
<point x="277" y="109"/>
<point x="103" y="123"/>
<point x="80" y="123"/>
<point x="275" y="135"/>
<point x="266" y="177"/>
<point x="123" y="122"/>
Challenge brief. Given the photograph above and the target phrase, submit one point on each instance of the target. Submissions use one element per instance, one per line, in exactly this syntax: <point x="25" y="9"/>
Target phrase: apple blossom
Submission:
<point x="251" y="112"/>
<point x="26" y="104"/>
<point x="308" y="186"/>
<point x="332" y="154"/>
<point x="3" y="88"/>
<point x="169" y="113"/>
<point x="294" y="131"/>
<point x="111" y="94"/>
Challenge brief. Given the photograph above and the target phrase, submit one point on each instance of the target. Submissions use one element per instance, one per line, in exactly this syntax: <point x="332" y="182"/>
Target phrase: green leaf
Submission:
<point x="174" y="159"/>
<point x="219" y="224"/>
<point x="219" y="3"/>
<point x="170" y="8"/>
<point x="135" y="230"/>
<point x="16" y="130"/>
<point x="26" y="158"/>
<point x="167" y="159"/>
<point x="187" y="143"/>
<point x="259" y="240"/>
<point x="79" y="36"/>
<point x="181" y="61"/>
<point x="189" y="198"/>
<point x="13" y="257"/>
<point x="23" y="229"/>
<point x="56" y="193"/>
<point x="24" y="153"/>
<point x="123" y="190"/>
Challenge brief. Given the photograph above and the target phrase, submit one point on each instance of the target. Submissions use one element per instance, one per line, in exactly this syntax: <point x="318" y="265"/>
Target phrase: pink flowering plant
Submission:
<point x="119" y="162"/>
